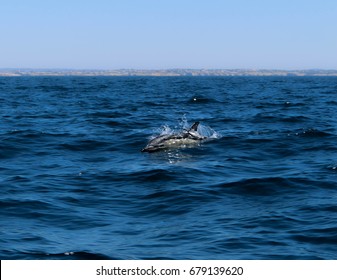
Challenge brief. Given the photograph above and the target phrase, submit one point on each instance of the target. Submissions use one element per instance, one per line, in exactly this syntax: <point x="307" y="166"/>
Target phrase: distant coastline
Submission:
<point x="165" y="72"/>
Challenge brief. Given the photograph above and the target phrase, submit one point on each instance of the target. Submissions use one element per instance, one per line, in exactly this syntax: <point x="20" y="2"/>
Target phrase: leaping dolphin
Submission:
<point x="183" y="139"/>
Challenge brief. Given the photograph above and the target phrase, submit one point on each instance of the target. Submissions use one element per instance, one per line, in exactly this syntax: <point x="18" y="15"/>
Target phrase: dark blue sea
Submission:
<point x="74" y="183"/>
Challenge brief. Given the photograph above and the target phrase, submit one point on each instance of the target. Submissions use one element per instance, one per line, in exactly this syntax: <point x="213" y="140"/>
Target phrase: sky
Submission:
<point x="166" y="34"/>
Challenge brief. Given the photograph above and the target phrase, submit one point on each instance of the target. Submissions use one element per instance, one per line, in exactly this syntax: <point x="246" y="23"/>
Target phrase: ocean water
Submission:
<point x="74" y="184"/>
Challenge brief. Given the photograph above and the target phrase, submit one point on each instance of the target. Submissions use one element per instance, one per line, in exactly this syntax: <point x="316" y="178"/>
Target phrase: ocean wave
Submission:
<point x="76" y="255"/>
<point x="76" y="186"/>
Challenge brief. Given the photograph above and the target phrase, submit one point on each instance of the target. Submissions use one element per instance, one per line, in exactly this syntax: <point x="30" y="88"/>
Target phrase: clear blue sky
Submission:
<point x="159" y="34"/>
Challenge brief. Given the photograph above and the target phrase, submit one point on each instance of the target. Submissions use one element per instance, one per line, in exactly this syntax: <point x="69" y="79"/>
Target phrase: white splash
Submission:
<point x="184" y="125"/>
<point x="208" y="132"/>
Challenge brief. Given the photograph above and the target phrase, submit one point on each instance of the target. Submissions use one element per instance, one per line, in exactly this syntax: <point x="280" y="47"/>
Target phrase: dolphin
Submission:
<point x="188" y="137"/>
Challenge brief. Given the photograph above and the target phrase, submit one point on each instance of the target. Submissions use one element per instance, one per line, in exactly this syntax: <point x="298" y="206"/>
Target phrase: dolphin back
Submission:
<point x="188" y="137"/>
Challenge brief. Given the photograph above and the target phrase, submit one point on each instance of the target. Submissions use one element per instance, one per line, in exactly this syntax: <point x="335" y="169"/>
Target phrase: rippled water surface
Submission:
<point x="74" y="184"/>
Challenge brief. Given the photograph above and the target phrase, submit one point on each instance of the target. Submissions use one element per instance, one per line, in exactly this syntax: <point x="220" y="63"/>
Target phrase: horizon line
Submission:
<point x="174" y="72"/>
<point x="159" y="69"/>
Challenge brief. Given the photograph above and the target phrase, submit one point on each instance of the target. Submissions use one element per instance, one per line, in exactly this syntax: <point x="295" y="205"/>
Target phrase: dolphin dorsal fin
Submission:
<point x="194" y="127"/>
